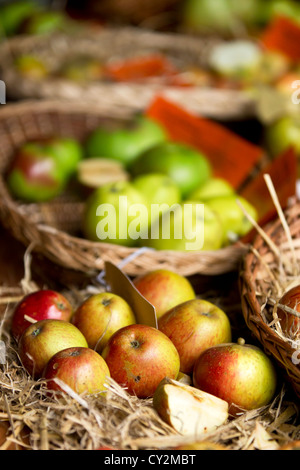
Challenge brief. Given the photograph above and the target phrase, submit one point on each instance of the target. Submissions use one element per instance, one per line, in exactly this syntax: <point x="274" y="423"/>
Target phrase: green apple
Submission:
<point x="189" y="226"/>
<point x="80" y="368"/>
<point x="234" y="222"/>
<point x="82" y="69"/>
<point x="12" y="14"/>
<point x="31" y="67"/>
<point x="126" y="143"/>
<point x="164" y="289"/>
<point x="193" y="326"/>
<point x="67" y="152"/>
<point x="283" y="134"/>
<point x="41" y="340"/>
<point x="45" y="22"/>
<point x="266" y="11"/>
<point x="186" y="166"/>
<point x="115" y="213"/>
<point x="213" y="187"/>
<point x="139" y="357"/>
<point x="101" y="315"/>
<point x="158" y="189"/>
<point x="241" y="374"/>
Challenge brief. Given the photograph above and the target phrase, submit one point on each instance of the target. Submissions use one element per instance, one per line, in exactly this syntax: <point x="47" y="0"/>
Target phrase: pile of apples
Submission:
<point x="140" y="164"/>
<point x="195" y="375"/>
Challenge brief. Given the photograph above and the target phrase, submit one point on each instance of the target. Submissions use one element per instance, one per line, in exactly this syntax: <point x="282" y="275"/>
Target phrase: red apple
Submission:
<point x="194" y="326"/>
<point x="164" y="289"/>
<point x="241" y="374"/>
<point x="139" y="357"/>
<point x="82" y="369"/>
<point x="101" y="315"/>
<point x="41" y="340"/>
<point x="39" y="305"/>
<point x="289" y="322"/>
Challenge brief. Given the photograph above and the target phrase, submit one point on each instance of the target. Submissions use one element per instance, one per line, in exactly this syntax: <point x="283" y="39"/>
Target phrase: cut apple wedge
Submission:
<point x="94" y="172"/>
<point x="188" y="410"/>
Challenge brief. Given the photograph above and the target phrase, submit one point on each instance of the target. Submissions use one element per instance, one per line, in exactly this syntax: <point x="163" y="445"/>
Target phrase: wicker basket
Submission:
<point x="120" y="43"/>
<point x="52" y="228"/>
<point x="271" y="266"/>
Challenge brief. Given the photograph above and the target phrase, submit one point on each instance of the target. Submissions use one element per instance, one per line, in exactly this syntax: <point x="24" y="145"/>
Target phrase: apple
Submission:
<point x="45" y="22"/>
<point x="115" y="213"/>
<point x="35" y="175"/>
<point x="101" y="315"/>
<point x="39" y="305"/>
<point x="12" y="15"/>
<point x="193" y="326"/>
<point x="80" y="368"/>
<point x="66" y="151"/>
<point x="164" y="289"/>
<point x="189" y="411"/>
<point x="266" y="11"/>
<point x="125" y="143"/>
<point x="213" y="187"/>
<point x="31" y="67"/>
<point x="139" y="357"/>
<point x="186" y="166"/>
<point x="234" y="222"/>
<point x="239" y="373"/>
<point x="158" y="189"/>
<point x="41" y="340"/>
<point x="189" y="226"/>
<point x="289" y="322"/>
<point x="82" y="69"/>
<point x="283" y="134"/>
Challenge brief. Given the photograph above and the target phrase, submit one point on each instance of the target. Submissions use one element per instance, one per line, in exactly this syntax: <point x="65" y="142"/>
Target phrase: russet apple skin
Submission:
<point x="290" y="323"/>
<point x="40" y="305"/>
<point x="194" y="326"/>
<point x="82" y="369"/>
<point x="164" y="289"/>
<point x="242" y="375"/>
<point x="139" y="357"/>
<point x="101" y="315"/>
<point x="41" y="340"/>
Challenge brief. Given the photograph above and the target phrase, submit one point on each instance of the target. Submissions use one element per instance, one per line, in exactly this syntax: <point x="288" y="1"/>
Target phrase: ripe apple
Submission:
<point x="283" y="134"/>
<point x="126" y="143"/>
<point x="213" y="187"/>
<point x="234" y="221"/>
<point x="158" y="189"/>
<point x="139" y="357"/>
<point x="164" y="289"/>
<point x="40" y="305"/>
<point x="66" y="151"/>
<point x="101" y="315"/>
<point x="41" y="340"/>
<point x="82" y="369"/>
<point x="289" y="322"/>
<point x="115" y="213"/>
<point x="35" y="175"/>
<point x="241" y="374"/>
<point x="194" y="326"/>
<point x="186" y="166"/>
<point x="189" y="226"/>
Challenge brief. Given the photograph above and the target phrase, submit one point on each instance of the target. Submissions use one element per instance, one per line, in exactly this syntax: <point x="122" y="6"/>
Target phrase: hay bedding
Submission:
<point x="121" y="421"/>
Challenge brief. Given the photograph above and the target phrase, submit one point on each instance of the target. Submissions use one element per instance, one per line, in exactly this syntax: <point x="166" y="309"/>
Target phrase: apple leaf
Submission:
<point x="121" y="285"/>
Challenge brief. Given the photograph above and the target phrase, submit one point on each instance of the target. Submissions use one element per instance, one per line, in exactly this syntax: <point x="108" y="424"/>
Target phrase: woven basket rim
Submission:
<point x="213" y="102"/>
<point x="223" y="260"/>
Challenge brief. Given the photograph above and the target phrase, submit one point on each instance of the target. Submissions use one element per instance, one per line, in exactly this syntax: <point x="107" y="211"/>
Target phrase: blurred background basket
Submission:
<point x="109" y="43"/>
<point x="51" y="229"/>
<point x="271" y="266"/>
